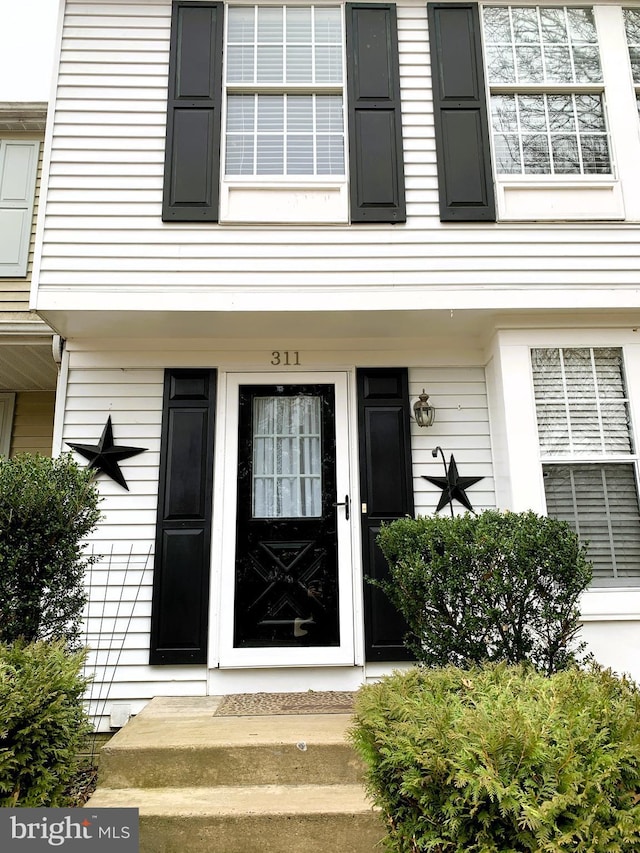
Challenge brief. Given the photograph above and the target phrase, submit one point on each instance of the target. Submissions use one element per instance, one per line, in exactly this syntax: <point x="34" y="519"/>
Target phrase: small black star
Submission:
<point x="104" y="456"/>
<point x="453" y="486"/>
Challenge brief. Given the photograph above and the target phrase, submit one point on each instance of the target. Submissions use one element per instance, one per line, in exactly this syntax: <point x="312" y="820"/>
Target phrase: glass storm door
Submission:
<point x="291" y="511"/>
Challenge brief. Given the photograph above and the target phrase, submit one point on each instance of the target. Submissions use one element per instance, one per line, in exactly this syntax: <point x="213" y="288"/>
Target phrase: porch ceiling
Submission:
<point x="426" y="324"/>
<point x="27" y="366"/>
<point x="261" y="324"/>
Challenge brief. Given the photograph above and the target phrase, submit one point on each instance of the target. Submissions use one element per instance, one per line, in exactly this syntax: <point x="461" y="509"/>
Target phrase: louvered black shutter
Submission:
<point x="183" y="532"/>
<point x="386" y="492"/>
<point x="192" y="153"/>
<point x="460" y="113"/>
<point x="375" y="124"/>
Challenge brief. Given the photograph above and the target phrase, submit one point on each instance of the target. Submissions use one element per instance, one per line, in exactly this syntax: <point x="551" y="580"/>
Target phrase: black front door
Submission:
<point x="286" y="572"/>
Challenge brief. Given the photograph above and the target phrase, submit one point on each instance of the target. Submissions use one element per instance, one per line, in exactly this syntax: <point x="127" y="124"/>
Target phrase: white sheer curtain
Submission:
<point x="287" y="480"/>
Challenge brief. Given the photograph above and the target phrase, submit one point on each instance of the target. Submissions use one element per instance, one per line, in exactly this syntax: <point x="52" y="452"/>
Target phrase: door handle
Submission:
<point x="345" y="504"/>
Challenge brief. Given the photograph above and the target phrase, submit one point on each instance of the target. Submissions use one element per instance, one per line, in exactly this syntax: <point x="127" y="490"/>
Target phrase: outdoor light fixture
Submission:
<point x="423" y="411"/>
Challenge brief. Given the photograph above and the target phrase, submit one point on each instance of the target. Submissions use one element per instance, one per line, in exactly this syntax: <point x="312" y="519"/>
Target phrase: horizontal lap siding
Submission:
<point x="461" y="428"/>
<point x="103" y="225"/>
<point x="33" y="423"/>
<point x="120" y="583"/>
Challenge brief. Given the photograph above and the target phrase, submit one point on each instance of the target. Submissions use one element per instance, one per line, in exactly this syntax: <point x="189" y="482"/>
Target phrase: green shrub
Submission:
<point x="42" y="722"/>
<point x="500" y="758"/>
<point x="497" y="586"/>
<point x="47" y="506"/>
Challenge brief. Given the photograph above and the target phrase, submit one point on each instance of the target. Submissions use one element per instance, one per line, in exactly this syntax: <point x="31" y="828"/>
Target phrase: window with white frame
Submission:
<point x="632" y="28"/>
<point x="258" y="125"/>
<point x="284" y="92"/>
<point x="546" y="91"/>
<point x="589" y="461"/>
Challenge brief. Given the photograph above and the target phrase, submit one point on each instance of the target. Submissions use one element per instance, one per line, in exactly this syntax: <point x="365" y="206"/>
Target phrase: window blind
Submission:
<point x="581" y="402"/>
<point x="600" y="502"/>
<point x="584" y="435"/>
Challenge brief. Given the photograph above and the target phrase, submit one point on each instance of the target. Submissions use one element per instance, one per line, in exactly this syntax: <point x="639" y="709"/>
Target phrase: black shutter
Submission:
<point x="460" y="113"/>
<point x="375" y="123"/>
<point x="386" y="492"/>
<point x="183" y="532"/>
<point x="192" y="153"/>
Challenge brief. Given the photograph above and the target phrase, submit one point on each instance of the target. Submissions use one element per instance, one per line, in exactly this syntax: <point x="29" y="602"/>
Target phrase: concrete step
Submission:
<point x="155" y="750"/>
<point x="333" y="818"/>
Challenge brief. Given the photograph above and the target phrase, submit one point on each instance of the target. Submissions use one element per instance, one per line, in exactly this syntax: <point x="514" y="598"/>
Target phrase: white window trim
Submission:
<point x="24" y="205"/>
<point x="299" y="200"/>
<point x="7" y="406"/>
<point x="548" y="198"/>
<point x="518" y="462"/>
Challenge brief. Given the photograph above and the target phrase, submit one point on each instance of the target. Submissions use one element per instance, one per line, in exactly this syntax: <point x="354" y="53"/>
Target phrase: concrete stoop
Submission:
<point x="259" y="784"/>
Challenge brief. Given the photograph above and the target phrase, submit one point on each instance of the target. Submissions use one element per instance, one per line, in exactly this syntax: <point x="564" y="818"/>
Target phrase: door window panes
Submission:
<point x="287" y="477"/>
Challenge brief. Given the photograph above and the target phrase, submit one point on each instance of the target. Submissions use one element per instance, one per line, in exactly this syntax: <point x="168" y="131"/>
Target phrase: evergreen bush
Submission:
<point x="47" y="506"/>
<point x="498" y="758"/>
<point x="42" y="722"/>
<point x="497" y="586"/>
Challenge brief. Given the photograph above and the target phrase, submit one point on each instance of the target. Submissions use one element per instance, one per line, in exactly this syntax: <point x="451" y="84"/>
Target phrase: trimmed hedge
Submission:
<point x="47" y="508"/>
<point x="497" y="587"/>
<point x="43" y="725"/>
<point x="500" y="758"/>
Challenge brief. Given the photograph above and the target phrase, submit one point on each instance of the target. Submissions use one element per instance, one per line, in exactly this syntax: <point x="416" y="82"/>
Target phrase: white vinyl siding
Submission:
<point x="587" y="451"/>
<point x="103" y="229"/>
<point x="461" y="429"/>
<point x="120" y="583"/>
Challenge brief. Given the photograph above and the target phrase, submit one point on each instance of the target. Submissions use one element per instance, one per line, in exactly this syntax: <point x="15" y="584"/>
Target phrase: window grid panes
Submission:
<point x="559" y="132"/>
<point x="632" y="28"/>
<point x="284" y="80"/>
<point x="588" y="456"/>
<point x="287" y="475"/>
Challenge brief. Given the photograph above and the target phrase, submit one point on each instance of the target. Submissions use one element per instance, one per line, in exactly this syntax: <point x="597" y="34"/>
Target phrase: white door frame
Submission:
<point x="343" y="654"/>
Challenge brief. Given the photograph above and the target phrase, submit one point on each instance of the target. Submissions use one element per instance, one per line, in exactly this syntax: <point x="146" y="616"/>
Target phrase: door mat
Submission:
<point x="263" y="704"/>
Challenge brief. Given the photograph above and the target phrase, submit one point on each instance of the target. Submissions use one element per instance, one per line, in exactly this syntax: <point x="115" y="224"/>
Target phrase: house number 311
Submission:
<point x="288" y="358"/>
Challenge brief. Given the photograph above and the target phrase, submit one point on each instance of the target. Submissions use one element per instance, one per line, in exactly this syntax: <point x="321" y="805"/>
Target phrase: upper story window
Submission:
<point x="532" y="111"/>
<point x="632" y="28"/>
<point x="588" y="456"/>
<point x="546" y="85"/>
<point x="259" y="126"/>
<point x="284" y="91"/>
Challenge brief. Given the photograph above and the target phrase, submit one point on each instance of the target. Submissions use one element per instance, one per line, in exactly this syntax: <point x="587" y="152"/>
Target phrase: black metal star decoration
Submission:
<point x="104" y="456"/>
<point x="453" y="485"/>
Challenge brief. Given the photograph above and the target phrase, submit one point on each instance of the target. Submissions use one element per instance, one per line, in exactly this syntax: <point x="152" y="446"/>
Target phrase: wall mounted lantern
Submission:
<point x="423" y="411"/>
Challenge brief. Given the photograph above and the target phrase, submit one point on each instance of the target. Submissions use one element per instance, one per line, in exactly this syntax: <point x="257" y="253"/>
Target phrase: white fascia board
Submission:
<point x="307" y="299"/>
